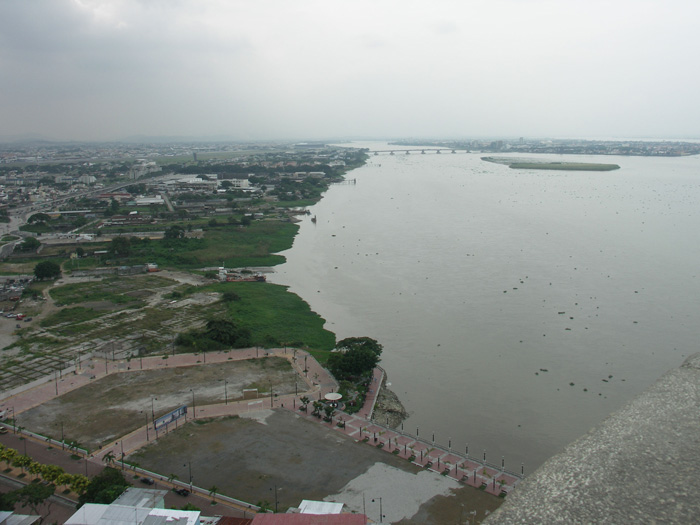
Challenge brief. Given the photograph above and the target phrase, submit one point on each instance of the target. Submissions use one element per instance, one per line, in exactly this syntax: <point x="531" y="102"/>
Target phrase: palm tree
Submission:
<point x="109" y="458"/>
<point x="212" y="492"/>
<point x="329" y="410"/>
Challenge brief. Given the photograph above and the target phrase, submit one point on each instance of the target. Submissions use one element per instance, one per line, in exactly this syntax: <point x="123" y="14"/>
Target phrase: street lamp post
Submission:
<point x="276" y="501"/>
<point x="226" y="391"/>
<point x="194" y="407"/>
<point x="189" y="464"/>
<point x="271" y="400"/>
<point x="381" y="513"/>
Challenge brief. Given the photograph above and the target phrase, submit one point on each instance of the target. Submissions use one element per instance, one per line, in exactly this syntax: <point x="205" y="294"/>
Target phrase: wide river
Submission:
<point x="517" y="308"/>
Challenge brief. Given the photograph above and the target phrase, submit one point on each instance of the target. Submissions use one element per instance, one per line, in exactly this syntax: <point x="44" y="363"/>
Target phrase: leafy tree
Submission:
<point x="38" y="217"/>
<point x="350" y="343"/>
<point x="107" y="486"/>
<point x="174" y="232"/>
<point x="190" y="506"/>
<point x="230" y="297"/>
<point x="79" y="251"/>
<point x="47" y="270"/>
<point x="227" y="333"/>
<point x="51" y="473"/>
<point x="120" y="247"/>
<point x="30" y="244"/>
<point x="79" y="483"/>
<point x="7" y="501"/>
<point x="79" y="221"/>
<point x="34" y="494"/>
<point x="22" y="461"/>
<point x="357" y="358"/>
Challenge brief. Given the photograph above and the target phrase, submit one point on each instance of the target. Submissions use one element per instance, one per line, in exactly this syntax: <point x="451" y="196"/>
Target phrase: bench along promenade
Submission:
<point x="318" y="382"/>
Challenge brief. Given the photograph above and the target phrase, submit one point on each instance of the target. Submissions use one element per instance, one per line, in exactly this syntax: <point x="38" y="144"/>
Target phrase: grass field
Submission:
<point x="116" y="290"/>
<point x="277" y="317"/>
<point x="254" y="245"/>
<point x="141" y="315"/>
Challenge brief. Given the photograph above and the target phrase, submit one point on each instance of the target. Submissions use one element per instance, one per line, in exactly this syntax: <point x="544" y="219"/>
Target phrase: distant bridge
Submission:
<point x="422" y="151"/>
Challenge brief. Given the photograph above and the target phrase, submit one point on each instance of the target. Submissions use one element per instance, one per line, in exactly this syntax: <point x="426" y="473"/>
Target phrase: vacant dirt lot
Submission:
<point x="247" y="457"/>
<point x="114" y="406"/>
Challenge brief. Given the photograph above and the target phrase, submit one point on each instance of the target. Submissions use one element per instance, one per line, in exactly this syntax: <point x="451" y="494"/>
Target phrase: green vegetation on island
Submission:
<point x="530" y="164"/>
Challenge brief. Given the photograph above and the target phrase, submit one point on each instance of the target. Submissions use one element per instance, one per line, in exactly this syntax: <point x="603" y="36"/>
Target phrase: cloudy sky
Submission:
<point x="307" y="69"/>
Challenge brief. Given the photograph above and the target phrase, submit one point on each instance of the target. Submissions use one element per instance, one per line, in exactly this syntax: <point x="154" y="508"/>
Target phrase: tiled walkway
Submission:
<point x="319" y="382"/>
<point x="470" y="471"/>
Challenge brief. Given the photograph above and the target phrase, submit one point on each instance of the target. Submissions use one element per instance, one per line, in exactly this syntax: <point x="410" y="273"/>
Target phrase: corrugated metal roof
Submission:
<point x="10" y="518"/>
<point x="320" y="507"/>
<point x="310" y="519"/>
<point x="146" y="498"/>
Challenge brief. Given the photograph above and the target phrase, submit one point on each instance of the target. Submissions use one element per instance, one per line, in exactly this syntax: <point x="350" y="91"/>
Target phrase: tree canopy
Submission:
<point x="120" y="246"/>
<point x="47" y="270"/>
<point x="38" y="217"/>
<point x="107" y="486"/>
<point x="30" y="244"/>
<point x="227" y="333"/>
<point x="356" y="358"/>
<point x="351" y="343"/>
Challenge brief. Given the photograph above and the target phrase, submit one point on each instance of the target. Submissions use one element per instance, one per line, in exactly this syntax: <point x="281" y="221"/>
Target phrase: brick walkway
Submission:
<point x="358" y="426"/>
<point x="468" y="470"/>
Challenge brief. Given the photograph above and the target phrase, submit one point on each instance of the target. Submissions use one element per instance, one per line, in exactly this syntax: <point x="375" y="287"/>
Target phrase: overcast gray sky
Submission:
<point x="305" y="69"/>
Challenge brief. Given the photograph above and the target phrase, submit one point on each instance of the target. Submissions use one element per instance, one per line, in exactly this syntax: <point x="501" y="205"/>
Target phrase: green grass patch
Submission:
<point x="112" y="289"/>
<point x="236" y="246"/>
<point x="77" y="314"/>
<point x="563" y="166"/>
<point x="276" y="317"/>
<point x="534" y="164"/>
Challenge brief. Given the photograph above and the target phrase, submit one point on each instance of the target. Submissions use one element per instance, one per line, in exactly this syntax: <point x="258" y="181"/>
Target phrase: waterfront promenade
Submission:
<point x="359" y="427"/>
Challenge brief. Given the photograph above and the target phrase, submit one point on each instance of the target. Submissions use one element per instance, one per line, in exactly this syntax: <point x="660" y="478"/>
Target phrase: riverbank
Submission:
<point x="389" y="410"/>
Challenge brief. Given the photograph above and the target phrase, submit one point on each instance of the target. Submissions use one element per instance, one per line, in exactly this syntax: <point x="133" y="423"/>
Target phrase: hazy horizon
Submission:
<point x="109" y="70"/>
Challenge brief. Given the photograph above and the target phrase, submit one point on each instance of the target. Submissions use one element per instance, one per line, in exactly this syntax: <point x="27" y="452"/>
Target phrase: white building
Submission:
<point x="134" y="507"/>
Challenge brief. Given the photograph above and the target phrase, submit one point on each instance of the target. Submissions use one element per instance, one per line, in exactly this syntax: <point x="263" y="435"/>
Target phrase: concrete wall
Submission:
<point x="641" y="465"/>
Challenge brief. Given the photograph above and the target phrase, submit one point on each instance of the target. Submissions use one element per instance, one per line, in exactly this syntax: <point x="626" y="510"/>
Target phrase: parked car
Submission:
<point x="3" y="430"/>
<point x="181" y="492"/>
<point x="147" y="481"/>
